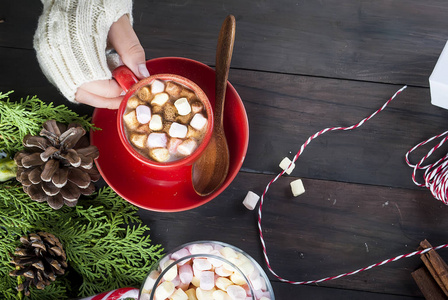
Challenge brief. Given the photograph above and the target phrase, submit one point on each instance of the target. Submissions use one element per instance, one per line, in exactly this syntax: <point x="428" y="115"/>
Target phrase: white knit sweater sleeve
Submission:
<point x="71" y="40"/>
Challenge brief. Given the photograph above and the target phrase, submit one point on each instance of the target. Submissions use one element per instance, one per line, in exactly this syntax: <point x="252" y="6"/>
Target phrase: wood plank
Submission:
<point x="285" y="110"/>
<point x="287" y="291"/>
<point x="381" y="41"/>
<point x="332" y="229"/>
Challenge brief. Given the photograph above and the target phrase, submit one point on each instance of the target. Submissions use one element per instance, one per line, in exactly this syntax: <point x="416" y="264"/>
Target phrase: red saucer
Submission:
<point x="159" y="190"/>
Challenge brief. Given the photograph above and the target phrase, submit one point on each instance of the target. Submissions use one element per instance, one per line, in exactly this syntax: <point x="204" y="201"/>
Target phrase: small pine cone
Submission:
<point x="57" y="166"/>
<point x="39" y="259"/>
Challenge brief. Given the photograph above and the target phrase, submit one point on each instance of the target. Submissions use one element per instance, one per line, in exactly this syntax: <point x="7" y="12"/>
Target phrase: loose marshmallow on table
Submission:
<point x="183" y="106"/>
<point x="156" y="140"/>
<point x="284" y="165"/>
<point x="143" y="114"/>
<point x="157" y="86"/>
<point x="178" y="130"/>
<point x="198" y="122"/>
<point x="251" y="200"/>
<point x="297" y="187"/>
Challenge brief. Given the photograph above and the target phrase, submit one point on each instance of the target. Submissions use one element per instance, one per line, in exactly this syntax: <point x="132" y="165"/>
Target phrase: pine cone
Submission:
<point x="57" y="166"/>
<point x="40" y="258"/>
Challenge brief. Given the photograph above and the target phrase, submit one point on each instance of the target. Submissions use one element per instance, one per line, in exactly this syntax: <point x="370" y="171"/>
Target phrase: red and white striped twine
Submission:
<point x="436" y="174"/>
<point x="438" y="180"/>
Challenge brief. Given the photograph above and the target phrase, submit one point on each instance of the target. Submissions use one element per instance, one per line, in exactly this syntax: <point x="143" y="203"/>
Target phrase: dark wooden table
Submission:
<point x="300" y="66"/>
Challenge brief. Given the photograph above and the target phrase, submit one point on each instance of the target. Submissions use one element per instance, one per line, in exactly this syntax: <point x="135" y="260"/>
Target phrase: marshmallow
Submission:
<point x="201" y="249"/>
<point x="160" y="99"/>
<point x="187" y="93"/>
<point x="180" y="253"/>
<point x="222" y="283"/>
<point x="156" y="123"/>
<point x="185" y="273"/>
<point x="138" y="140"/>
<point x="183" y="106"/>
<point x="202" y="264"/>
<point x="179" y="294"/>
<point x="224" y="270"/>
<point x="194" y="134"/>
<point x="173" y="88"/>
<point x="172" y="147"/>
<point x="144" y="128"/>
<point x="251" y="200"/>
<point x="159" y="154"/>
<point x="144" y="93"/>
<point x="169" y="112"/>
<point x="204" y="295"/>
<point x="297" y="187"/>
<point x="191" y="293"/>
<point x="221" y="295"/>
<point x="198" y="122"/>
<point x="236" y="292"/>
<point x="133" y="102"/>
<point x="216" y="262"/>
<point x="246" y="267"/>
<point x="187" y="147"/>
<point x="143" y="113"/>
<point x="157" y="86"/>
<point x="171" y="273"/>
<point x="130" y="119"/>
<point x="285" y="163"/>
<point x="196" y="107"/>
<point x="150" y="281"/>
<point x="156" y="140"/>
<point x="207" y="280"/>
<point x="164" y="290"/>
<point x="178" y="130"/>
<point x="196" y="281"/>
<point x="256" y="280"/>
<point x="237" y="278"/>
<point x="228" y="252"/>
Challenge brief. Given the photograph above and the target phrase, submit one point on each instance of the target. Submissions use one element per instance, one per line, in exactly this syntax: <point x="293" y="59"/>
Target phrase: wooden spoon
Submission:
<point x="210" y="170"/>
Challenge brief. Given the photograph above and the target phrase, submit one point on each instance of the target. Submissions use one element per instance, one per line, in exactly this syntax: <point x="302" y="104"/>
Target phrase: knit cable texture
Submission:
<point x="71" y="40"/>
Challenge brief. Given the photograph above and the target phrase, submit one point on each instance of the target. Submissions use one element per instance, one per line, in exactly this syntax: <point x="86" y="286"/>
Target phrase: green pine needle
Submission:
<point x="107" y="245"/>
<point x="26" y="116"/>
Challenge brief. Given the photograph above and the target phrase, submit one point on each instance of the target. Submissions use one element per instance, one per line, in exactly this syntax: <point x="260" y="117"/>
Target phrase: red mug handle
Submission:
<point x="125" y="78"/>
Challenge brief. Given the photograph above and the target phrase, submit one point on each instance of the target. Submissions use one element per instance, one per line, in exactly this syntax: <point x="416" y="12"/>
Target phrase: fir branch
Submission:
<point x="26" y="116"/>
<point x="104" y="251"/>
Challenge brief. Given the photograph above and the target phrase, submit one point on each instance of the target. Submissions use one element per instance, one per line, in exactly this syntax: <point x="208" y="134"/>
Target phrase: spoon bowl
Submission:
<point x="210" y="170"/>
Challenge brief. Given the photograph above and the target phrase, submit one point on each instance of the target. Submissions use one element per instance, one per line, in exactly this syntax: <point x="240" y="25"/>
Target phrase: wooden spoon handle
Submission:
<point x="224" y="51"/>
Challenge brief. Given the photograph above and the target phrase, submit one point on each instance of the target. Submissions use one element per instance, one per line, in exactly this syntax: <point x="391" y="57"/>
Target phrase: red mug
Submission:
<point x="130" y="84"/>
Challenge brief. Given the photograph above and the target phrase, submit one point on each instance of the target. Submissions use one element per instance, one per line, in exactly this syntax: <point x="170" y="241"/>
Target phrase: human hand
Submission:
<point x="107" y="93"/>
